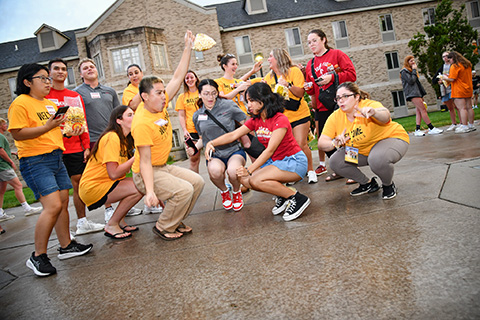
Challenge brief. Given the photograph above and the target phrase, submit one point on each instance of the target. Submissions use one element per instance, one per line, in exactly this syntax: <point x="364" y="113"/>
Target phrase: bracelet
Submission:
<point x="289" y="85"/>
<point x="249" y="173"/>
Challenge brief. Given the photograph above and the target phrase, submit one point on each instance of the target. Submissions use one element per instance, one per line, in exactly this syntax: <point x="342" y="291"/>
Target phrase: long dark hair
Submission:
<point x="322" y="36"/>
<point x="224" y="58"/>
<point x="272" y="102"/>
<point x="185" y="87"/>
<point x="206" y="82"/>
<point x="126" y="142"/>
<point x="459" y="59"/>
<point x="26" y="72"/>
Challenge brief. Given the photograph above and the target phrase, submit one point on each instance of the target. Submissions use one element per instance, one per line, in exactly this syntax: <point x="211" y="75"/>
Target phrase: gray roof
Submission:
<point x="233" y="14"/>
<point x="28" y="51"/>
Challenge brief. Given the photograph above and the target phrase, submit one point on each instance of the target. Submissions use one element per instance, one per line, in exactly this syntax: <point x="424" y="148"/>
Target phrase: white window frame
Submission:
<point x="473" y="13"/>
<point x="157" y="64"/>
<point x="125" y="60"/>
<point x="294" y="49"/>
<point x="341" y="41"/>
<point x="97" y="58"/>
<point x="12" y="84"/>
<point x="252" y="11"/>
<point x="70" y="82"/>
<point x="394" y="69"/>
<point x="243" y="56"/>
<point x="176" y="139"/>
<point x="388" y="35"/>
<point x="400" y="96"/>
<point x="428" y="15"/>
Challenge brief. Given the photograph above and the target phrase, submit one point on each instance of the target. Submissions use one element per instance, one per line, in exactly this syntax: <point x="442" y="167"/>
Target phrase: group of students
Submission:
<point x="217" y="115"/>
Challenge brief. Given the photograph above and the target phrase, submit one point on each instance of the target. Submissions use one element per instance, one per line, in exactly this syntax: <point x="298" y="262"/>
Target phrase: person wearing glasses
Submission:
<point x="364" y="134"/>
<point x="38" y="138"/>
<point x="414" y="92"/>
<point x="460" y="78"/>
<point x="228" y="157"/>
<point x="446" y="91"/>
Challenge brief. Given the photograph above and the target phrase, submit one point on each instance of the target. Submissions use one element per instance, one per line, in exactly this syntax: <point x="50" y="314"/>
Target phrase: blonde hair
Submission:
<point x="284" y="62"/>
<point x="83" y="61"/>
<point x="2" y="121"/>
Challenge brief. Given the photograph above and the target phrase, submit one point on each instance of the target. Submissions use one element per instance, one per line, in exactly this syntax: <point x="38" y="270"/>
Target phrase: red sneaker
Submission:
<point x="320" y="170"/>
<point x="237" y="201"/>
<point x="226" y="200"/>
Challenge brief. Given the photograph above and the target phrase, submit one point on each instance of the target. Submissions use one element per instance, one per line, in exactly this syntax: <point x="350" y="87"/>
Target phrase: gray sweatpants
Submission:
<point x="381" y="159"/>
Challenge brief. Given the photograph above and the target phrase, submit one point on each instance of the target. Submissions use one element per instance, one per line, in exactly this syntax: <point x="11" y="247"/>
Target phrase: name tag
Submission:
<point x="50" y="109"/>
<point x="95" y="95"/>
<point x="351" y="155"/>
<point x="202" y="117"/>
<point x="161" y="122"/>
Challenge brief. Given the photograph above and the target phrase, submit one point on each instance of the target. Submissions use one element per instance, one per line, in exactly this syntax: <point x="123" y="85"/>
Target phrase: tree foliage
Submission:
<point x="451" y="32"/>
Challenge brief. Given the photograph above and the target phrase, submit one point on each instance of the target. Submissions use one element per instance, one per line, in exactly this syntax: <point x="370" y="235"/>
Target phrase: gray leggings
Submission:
<point x="381" y="159"/>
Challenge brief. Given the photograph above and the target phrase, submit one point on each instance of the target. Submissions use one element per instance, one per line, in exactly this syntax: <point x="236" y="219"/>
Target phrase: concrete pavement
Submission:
<point x="412" y="257"/>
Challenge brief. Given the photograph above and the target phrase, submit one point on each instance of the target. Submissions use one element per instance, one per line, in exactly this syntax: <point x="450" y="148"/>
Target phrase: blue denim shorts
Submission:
<point x="296" y="163"/>
<point x="446" y="97"/>
<point x="45" y="173"/>
<point x="225" y="160"/>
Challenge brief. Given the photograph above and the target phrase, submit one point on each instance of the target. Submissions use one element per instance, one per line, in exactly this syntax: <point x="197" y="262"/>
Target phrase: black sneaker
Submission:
<point x="389" y="192"/>
<point x="41" y="265"/>
<point x="370" y="187"/>
<point x="296" y="205"/>
<point x="280" y="205"/>
<point x="74" y="249"/>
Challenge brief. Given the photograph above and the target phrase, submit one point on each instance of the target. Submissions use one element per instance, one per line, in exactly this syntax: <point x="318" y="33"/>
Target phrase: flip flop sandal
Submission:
<point x="128" y="228"/>
<point x="116" y="235"/>
<point x="182" y="225"/>
<point x="350" y="181"/>
<point x="332" y="177"/>
<point x="162" y="234"/>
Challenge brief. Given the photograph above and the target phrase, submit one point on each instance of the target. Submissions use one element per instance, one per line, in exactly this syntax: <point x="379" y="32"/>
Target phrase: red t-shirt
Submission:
<point x="288" y="146"/>
<point x="70" y="98"/>
<point x="332" y="60"/>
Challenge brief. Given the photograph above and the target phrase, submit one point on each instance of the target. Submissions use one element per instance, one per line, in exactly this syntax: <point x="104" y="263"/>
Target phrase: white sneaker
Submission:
<point x="151" y="210"/>
<point x="133" y="212"/>
<point x="5" y="217"/>
<point x="471" y="127"/>
<point x="88" y="227"/>
<point x="451" y="128"/>
<point x="108" y="213"/>
<point x="33" y="210"/>
<point x="462" y="129"/>
<point x="419" y="133"/>
<point x="435" y="131"/>
<point x="312" y="177"/>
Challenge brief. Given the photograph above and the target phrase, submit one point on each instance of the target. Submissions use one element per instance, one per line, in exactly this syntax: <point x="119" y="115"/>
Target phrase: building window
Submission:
<point x="428" y="16"/>
<point x="159" y="56"/>
<point x="244" y="50"/>
<point x="294" y="42"/>
<point x="386" y="28"/>
<point x="175" y="139"/>
<point x="393" y="65"/>
<point x="341" y="35"/>
<point x="199" y="56"/>
<point x="255" y="6"/>
<point x="398" y="98"/>
<point x="124" y="57"/>
<point x="12" y="83"/>
<point x="70" y="80"/>
<point x="47" y="40"/>
<point x="98" y="63"/>
<point x="474" y="9"/>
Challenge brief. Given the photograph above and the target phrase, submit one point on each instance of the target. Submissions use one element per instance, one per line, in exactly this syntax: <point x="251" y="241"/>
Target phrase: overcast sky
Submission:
<point x="21" y="18"/>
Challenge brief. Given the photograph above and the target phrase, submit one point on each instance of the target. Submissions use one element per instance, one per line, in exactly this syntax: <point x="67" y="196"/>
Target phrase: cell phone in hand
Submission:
<point x="60" y="112"/>
<point x="191" y="144"/>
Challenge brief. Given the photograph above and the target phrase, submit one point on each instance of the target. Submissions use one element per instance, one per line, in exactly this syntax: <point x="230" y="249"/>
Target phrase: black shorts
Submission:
<point x="299" y="122"/>
<point x="321" y="117"/>
<point x="74" y="163"/>
<point x="102" y="201"/>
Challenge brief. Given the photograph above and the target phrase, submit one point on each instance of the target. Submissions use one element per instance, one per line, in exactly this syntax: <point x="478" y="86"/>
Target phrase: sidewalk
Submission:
<point x="412" y="257"/>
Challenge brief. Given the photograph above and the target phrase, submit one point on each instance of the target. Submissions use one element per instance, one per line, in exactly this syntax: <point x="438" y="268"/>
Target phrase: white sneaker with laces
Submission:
<point x="5" y="217"/>
<point x="462" y="129"/>
<point x="108" y="213"/>
<point x="451" y="128"/>
<point x="435" y="131"/>
<point x="151" y="210"/>
<point x="133" y="212"/>
<point x="88" y="227"/>
<point x="33" y="210"/>
<point x="312" y="177"/>
<point x="471" y="127"/>
<point x="418" y="133"/>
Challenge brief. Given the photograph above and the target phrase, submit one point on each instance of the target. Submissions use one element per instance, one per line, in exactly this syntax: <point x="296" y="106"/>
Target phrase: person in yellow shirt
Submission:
<point x="290" y="77"/>
<point x="186" y="106"/>
<point x="131" y="97"/>
<point x="34" y="126"/>
<point x="152" y="132"/>
<point x="104" y="179"/>
<point x="364" y="134"/>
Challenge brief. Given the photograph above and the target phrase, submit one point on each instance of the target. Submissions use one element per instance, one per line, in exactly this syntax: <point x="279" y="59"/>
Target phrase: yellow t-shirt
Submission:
<point x="28" y="112"/>
<point x="154" y="130"/>
<point x="225" y="86"/>
<point x="297" y="79"/>
<point x="188" y="102"/>
<point x="364" y="133"/>
<point x="95" y="181"/>
<point x="128" y="94"/>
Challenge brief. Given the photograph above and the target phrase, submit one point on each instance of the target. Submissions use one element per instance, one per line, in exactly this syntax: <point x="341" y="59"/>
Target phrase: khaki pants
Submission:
<point x="180" y="187"/>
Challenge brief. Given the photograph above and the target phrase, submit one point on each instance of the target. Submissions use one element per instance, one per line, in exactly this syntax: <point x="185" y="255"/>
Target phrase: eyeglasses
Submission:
<point x="343" y="97"/>
<point x="209" y="94"/>
<point x="43" y="78"/>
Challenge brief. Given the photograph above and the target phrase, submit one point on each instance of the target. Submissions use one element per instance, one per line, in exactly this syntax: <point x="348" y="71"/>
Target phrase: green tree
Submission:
<point x="450" y="32"/>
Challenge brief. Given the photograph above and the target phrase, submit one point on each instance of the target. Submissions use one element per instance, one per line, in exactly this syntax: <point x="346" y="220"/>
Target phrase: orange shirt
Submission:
<point x="462" y="86"/>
